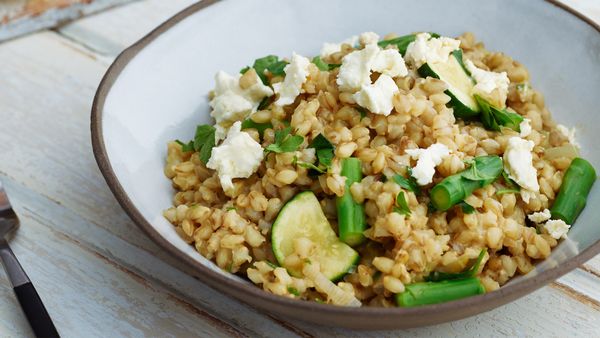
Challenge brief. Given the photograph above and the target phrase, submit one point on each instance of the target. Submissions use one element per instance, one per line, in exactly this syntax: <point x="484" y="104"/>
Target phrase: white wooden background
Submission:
<point x="98" y="274"/>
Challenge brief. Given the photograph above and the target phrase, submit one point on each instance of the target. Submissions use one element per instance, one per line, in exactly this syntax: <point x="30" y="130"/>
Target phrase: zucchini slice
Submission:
<point x="302" y="216"/>
<point x="460" y="84"/>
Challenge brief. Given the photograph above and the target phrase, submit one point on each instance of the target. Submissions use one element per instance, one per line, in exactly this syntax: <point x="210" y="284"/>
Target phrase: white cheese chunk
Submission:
<point x="487" y="82"/>
<point x="231" y="103"/>
<point x="427" y="160"/>
<point x="569" y="134"/>
<point x="430" y="50"/>
<point x="239" y="156"/>
<point x="331" y="48"/>
<point x="557" y="228"/>
<point x="296" y="73"/>
<point x="525" y="128"/>
<point x="377" y="97"/>
<point x="540" y="217"/>
<point x="356" y="68"/>
<point x="368" y="38"/>
<point x="518" y="164"/>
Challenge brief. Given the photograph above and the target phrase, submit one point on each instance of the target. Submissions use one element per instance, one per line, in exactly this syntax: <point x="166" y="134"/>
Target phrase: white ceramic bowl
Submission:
<point x="156" y="91"/>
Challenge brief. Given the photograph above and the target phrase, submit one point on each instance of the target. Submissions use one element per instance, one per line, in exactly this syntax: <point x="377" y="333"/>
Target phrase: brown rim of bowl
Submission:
<point x="511" y="291"/>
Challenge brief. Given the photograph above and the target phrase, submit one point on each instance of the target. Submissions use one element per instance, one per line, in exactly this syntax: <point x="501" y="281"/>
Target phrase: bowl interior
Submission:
<point x="161" y="94"/>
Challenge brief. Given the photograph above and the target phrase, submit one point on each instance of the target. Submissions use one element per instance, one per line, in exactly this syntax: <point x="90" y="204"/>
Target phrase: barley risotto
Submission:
<point x="395" y="171"/>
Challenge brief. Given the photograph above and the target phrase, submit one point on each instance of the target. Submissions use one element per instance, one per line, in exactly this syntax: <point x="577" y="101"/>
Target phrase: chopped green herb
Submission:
<point x="269" y="63"/>
<point x="260" y="127"/>
<point x="273" y="265"/>
<point x="401" y="42"/>
<point x="494" y="118"/>
<point x="203" y="142"/>
<point x="511" y="186"/>
<point x="409" y="183"/>
<point x="244" y="70"/>
<point x="285" y="142"/>
<point x="324" y="150"/>
<point x="230" y="208"/>
<point x="322" y="65"/>
<point x="293" y="291"/>
<point x="362" y="111"/>
<point x="437" y="276"/>
<point x="401" y="204"/>
<point x="474" y="174"/>
<point x="185" y="147"/>
<point x="266" y="102"/>
<point x="466" y="208"/>
<point x="311" y="166"/>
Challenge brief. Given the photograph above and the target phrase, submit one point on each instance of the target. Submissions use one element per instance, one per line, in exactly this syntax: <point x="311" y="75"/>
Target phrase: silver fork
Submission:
<point x="30" y="301"/>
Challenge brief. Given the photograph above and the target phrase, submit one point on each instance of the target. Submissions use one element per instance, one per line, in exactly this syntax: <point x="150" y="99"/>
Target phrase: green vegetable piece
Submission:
<point x="437" y="276"/>
<point x="260" y="127"/>
<point x="324" y="150"/>
<point x="293" y="291"/>
<point x="466" y="208"/>
<point x="409" y="183"/>
<point x="401" y="204"/>
<point x="362" y="111"/>
<point x="186" y="147"/>
<point x="269" y="63"/>
<point x="454" y="189"/>
<point x="244" y="70"/>
<point x="203" y="142"/>
<point x="285" y="142"/>
<point x="324" y="66"/>
<point x="494" y="118"/>
<point x="511" y="186"/>
<point x="439" y="292"/>
<point x="575" y="187"/>
<point x="401" y="42"/>
<point x="351" y="215"/>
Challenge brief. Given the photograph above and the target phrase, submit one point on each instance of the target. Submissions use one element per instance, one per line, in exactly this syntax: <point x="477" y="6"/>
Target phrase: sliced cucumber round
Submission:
<point x="302" y="216"/>
<point x="460" y="84"/>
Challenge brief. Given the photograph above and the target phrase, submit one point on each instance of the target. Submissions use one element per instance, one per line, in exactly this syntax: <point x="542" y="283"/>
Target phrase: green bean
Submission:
<point x="575" y="187"/>
<point x="439" y="292"/>
<point x="351" y="215"/>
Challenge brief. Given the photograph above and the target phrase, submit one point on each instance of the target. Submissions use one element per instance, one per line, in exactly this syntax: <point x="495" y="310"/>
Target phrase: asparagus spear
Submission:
<point x="453" y="189"/>
<point x="575" y="187"/>
<point x="439" y="292"/>
<point x="351" y="215"/>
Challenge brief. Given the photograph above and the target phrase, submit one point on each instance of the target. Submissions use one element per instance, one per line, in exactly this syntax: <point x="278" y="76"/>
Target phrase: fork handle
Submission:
<point x="35" y="311"/>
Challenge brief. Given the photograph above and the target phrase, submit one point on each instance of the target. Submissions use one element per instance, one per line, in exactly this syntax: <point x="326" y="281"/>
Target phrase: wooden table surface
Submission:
<point x="98" y="274"/>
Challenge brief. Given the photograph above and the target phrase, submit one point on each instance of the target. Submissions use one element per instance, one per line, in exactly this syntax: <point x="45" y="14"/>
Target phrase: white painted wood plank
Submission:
<point x="21" y="16"/>
<point x="110" y="32"/>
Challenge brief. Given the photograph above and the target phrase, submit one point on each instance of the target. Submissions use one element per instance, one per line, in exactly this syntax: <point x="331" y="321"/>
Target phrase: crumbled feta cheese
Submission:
<point x="389" y="62"/>
<point x="377" y="97"/>
<point x="239" y="156"/>
<point x="331" y="48"/>
<point x="427" y="160"/>
<point x="368" y="38"/>
<point x="557" y="228"/>
<point x="540" y="217"/>
<point x="568" y="133"/>
<point x="518" y="164"/>
<point x="296" y="73"/>
<point x="356" y="68"/>
<point x="525" y="128"/>
<point x="488" y="81"/>
<point x="430" y="50"/>
<point x="231" y="103"/>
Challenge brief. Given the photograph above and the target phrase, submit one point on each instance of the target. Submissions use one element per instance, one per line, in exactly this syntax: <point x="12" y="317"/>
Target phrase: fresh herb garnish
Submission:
<point x="230" y="208"/>
<point x="437" y="276"/>
<point x="260" y="127"/>
<point x="269" y="63"/>
<point x="409" y="183"/>
<point x="466" y="207"/>
<point x="401" y="204"/>
<point x="285" y="142"/>
<point x="362" y="111"/>
<point x="324" y="150"/>
<point x="494" y="118"/>
<point x="309" y="166"/>
<point x="203" y="142"/>
<point x="401" y="42"/>
<point x="511" y="186"/>
<point x="293" y="291"/>
<point x="244" y="70"/>
<point x="324" y="66"/>
<point x="474" y="174"/>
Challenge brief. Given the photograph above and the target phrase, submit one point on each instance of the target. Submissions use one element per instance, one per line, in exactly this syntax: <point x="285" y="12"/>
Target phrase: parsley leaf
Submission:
<point x="269" y="63"/>
<point x="494" y="118"/>
<point x="324" y="150"/>
<point x="293" y="291"/>
<point x="482" y="168"/>
<point x="285" y="142"/>
<point x="409" y="184"/>
<point x="308" y="166"/>
<point x="466" y="207"/>
<point x="401" y="42"/>
<point x="260" y="127"/>
<point x="244" y="70"/>
<point x="401" y="204"/>
<point x="511" y="186"/>
<point x="437" y="276"/>
<point x="203" y="142"/>
<point x="362" y="111"/>
<point x="324" y="66"/>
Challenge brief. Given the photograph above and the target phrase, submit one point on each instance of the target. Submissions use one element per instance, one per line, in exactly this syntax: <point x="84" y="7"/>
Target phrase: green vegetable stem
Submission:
<point x="439" y="292"/>
<point x="351" y="215"/>
<point x="575" y="187"/>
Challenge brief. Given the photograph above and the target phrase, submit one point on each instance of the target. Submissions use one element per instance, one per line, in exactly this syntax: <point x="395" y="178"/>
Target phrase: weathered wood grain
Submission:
<point x="96" y="271"/>
<point x="18" y="17"/>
